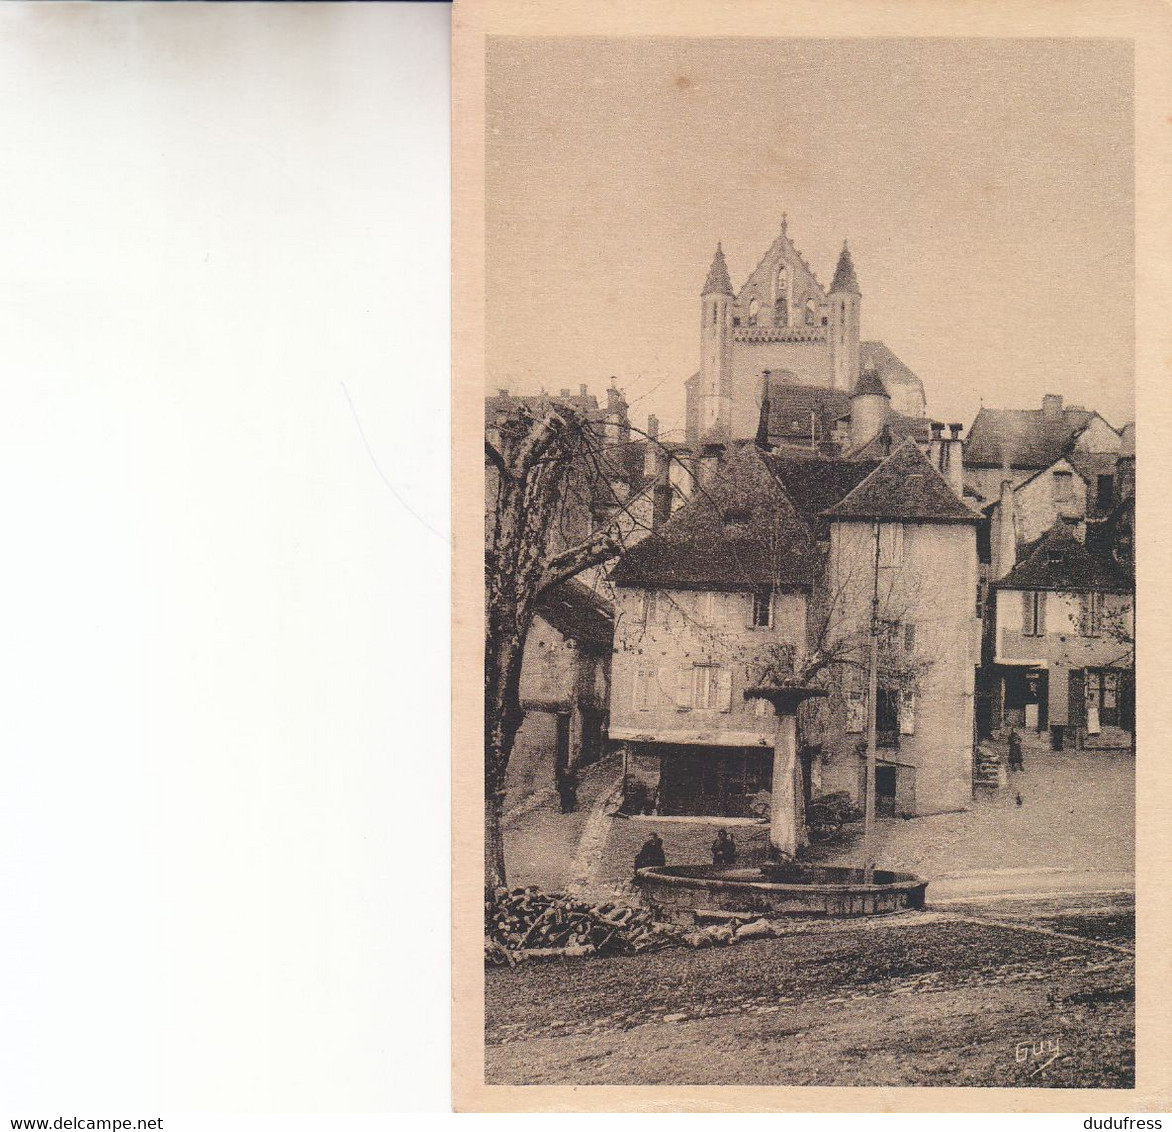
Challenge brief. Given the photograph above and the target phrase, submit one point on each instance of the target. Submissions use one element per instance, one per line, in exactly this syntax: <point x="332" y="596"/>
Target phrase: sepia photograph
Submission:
<point x="810" y="665"/>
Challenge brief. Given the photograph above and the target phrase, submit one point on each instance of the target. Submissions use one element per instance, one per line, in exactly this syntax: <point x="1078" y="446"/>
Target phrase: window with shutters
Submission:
<point x="763" y="609"/>
<point x="645" y="697"/>
<point x="856" y="712"/>
<point x="1033" y="607"/>
<point x="1091" y="615"/>
<point x="907" y="712"/>
<point x="890" y="544"/>
<point x="711" y="688"/>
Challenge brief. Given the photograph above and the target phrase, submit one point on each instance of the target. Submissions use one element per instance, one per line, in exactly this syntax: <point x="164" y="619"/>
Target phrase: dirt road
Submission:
<point x="1004" y="995"/>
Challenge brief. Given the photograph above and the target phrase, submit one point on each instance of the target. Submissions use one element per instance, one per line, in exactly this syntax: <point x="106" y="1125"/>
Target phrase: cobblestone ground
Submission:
<point x="918" y="999"/>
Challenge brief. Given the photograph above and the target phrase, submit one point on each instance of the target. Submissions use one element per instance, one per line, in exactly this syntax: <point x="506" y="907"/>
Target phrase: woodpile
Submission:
<point x="525" y="923"/>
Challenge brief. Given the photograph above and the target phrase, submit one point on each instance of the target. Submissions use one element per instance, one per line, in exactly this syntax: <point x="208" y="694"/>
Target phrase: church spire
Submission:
<point x="718" y="282"/>
<point x="844" y="274"/>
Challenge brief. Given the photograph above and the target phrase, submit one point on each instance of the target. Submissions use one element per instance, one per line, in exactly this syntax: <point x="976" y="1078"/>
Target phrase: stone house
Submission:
<point x="1017" y="444"/>
<point x="772" y="565"/>
<point x="566" y="662"/>
<point x="1062" y="645"/>
<point x="564" y="689"/>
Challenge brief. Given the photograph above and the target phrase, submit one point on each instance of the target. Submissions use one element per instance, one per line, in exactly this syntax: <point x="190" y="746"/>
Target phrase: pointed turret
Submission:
<point x="715" y="390"/>
<point x="844" y="274"/>
<point x="718" y="282"/>
<point x="845" y="303"/>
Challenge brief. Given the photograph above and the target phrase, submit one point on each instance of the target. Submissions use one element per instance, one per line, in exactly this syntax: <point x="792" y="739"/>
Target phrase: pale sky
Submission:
<point x="986" y="189"/>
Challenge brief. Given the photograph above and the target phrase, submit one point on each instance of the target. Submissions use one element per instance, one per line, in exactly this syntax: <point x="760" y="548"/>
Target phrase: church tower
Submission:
<point x="715" y="392"/>
<point x="845" y="301"/>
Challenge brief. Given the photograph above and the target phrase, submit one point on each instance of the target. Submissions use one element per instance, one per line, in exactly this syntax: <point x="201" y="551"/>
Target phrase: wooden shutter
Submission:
<point x="1077" y="701"/>
<point x="856" y="711"/>
<point x="907" y="713"/>
<point x="1027" y="612"/>
<point x="684" y="689"/>
<point x="909" y="636"/>
<point x="640" y="694"/>
<point x="723" y="690"/>
<point x="1041" y="613"/>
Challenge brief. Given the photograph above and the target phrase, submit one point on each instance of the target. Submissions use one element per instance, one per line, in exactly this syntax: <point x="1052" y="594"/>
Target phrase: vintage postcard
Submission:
<point x="801" y="357"/>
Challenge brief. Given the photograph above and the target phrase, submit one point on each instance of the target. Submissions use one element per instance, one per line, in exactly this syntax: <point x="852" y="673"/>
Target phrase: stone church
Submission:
<point x="806" y="337"/>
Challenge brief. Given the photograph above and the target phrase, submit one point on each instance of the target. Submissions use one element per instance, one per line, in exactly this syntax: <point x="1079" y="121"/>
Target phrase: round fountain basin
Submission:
<point x="677" y="892"/>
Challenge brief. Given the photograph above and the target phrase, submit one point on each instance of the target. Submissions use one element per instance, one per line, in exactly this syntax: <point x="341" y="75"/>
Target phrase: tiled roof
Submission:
<point x="892" y="371"/>
<point x="718" y="282"/>
<point x="1022" y="438"/>
<point x="844" y="273"/>
<point x="816" y="483"/>
<point x="577" y="612"/>
<point x="1059" y="562"/>
<point x="870" y="385"/>
<point x="790" y="407"/>
<point x="905" y="487"/>
<point x="740" y="532"/>
<point x="899" y="427"/>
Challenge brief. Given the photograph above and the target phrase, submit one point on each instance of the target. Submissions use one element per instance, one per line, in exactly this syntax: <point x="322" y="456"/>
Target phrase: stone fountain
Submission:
<point x="679" y="892"/>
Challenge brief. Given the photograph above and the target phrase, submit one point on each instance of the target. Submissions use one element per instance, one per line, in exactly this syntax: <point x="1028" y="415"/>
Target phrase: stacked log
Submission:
<point x="525" y="923"/>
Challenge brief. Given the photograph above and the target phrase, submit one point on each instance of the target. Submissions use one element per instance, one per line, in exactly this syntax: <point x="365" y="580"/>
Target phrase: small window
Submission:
<point x="890" y="544"/>
<point x="736" y="517"/>
<point x="711" y="688"/>
<point x="645" y="689"/>
<point x="762" y="609"/>
<point x="736" y="321"/>
<point x="1063" y="486"/>
<point x="811" y="313"/>
<point x="1034" y="613"/>
<point x="781" y="313"/>
<point x="754" y="307"/>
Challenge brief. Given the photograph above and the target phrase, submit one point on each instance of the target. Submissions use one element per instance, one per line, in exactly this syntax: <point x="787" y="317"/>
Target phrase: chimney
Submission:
<point x="952" y="459"/>
<point x="654" y="458"/>
<point x="708" y="462"/>
<point x="618" y="426"/>
<point x="564" y="393"/>
<point x="581" y="390"/>
<point x="762" y="438"/>
<point x="885" y="440"/>
<point x="1006" y="547"/>
<point x="1052" y="406"/>
<point x="936" y="447"/>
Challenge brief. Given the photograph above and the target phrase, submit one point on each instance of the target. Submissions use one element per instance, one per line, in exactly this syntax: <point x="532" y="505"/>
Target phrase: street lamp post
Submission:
<point x="872" y="725"/>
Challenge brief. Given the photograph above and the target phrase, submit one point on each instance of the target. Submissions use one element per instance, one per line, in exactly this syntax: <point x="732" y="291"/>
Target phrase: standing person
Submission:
<point x="651" y="854"/>
<point x="1015" y="762"/>
<point x="724" y="849"/>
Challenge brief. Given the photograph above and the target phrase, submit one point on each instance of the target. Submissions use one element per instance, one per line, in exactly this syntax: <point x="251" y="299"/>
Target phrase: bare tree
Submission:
<point x="555" y="510"/>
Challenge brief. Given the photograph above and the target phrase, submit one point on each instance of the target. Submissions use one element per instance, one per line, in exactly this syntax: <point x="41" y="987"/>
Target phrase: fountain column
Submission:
<point x="787" y="826"/>
<point x="786" y="832"/>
